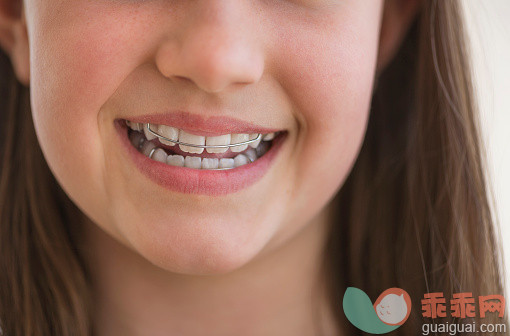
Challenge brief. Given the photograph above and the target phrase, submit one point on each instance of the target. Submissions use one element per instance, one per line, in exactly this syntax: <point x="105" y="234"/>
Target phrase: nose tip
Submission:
<point x="213" y="62"/>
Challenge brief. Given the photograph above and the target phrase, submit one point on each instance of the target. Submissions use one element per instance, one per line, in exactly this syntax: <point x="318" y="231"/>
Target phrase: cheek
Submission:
<point x="79" y="59"/>
<point x="74" y="78"/>
<point x="329" y="78"/>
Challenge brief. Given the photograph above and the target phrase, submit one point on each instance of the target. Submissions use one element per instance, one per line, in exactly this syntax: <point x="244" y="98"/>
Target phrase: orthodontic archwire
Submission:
<point x="259" y="136"/>
<point x="142" y="140"/>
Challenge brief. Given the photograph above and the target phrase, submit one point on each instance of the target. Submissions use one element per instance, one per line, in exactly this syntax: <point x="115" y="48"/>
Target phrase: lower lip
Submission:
<point x="197" y="181"/>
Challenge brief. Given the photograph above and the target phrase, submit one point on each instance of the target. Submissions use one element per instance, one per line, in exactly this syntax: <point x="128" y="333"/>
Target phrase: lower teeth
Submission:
<point x="149" y="149"/>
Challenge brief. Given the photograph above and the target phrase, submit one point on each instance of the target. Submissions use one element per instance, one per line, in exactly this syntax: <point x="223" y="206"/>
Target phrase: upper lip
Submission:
<point x="202" y="125"/>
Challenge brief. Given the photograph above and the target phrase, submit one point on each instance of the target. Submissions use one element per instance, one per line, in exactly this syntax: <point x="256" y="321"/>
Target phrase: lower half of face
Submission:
<point x="183" y="208"/>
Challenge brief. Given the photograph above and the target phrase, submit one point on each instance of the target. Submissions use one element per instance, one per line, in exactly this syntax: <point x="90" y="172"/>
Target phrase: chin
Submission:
<point x="206" y="247"/>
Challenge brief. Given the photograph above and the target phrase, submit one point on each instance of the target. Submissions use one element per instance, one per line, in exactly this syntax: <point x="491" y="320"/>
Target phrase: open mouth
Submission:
<point x="176" y="147"/>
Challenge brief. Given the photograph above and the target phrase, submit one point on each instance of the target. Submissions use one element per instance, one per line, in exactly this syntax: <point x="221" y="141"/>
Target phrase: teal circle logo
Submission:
<point x="389" y="312"/>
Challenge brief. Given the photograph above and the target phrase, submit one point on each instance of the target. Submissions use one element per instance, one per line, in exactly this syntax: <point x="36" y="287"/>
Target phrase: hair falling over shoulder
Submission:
<point x="414" y="212"/>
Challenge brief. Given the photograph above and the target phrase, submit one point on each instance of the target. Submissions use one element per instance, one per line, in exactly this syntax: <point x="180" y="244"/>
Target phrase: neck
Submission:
<point x="279" y="293"/>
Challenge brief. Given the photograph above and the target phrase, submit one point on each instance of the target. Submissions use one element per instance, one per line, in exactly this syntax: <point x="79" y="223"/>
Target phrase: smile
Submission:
<point x="201" y="157"/>
<point x="179" y="148"/>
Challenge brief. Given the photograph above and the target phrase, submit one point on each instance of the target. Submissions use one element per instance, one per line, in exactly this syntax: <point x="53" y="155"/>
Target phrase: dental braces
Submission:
<point x="259" y="136"/>
<point x="142" y="141"/>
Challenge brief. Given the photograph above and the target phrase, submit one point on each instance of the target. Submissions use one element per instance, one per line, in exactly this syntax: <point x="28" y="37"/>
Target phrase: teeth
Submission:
<point x="147" y="147"/>
<point x="182" y="136"/>
<point x="171" y="133"/>
<point x="218" y="140"/>
<point x="175" y="160"/>
<point x="191" y="139"/>
<point x="148" y="134"/>
<point x="240" y="160"/>
<point x="135" y="126"/>
<point x="141" y="140"/>
<point x="226" y="163"/>
<point x="251" y="154"/>
<point x="193" y="162"/>
<point x="255" y="143"/>
<point x="237" y="138"/>
<point x="150" y="150"/>
<point x="160" y="155"/>
<point x="210" y="163"/>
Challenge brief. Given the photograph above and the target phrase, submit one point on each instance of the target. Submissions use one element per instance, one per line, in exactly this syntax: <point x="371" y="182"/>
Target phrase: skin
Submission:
<point x="162" y="261"/>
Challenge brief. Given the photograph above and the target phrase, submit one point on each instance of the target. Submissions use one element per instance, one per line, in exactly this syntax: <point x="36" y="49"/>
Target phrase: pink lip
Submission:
<point x="200" y="125"/>
<point x="196" y="181"/>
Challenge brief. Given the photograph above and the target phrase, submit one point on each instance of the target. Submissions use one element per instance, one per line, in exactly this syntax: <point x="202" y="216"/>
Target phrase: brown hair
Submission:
<point x="413" y="213"/>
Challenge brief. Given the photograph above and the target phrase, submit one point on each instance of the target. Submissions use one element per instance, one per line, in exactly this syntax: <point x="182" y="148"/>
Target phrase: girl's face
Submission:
<point x="208" y="67"/>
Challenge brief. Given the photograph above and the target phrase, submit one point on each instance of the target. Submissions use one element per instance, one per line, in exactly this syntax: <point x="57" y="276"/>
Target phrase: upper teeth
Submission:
<point x="176" y="134"/>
